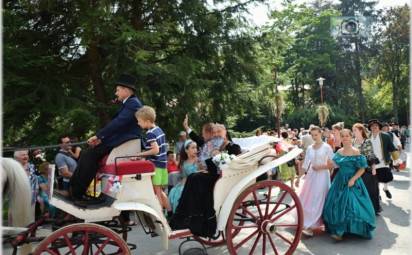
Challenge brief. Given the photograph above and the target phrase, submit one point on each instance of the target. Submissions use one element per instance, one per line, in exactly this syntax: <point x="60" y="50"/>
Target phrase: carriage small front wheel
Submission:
<point x="83" y="238"/>
<point x="267" y="218"/>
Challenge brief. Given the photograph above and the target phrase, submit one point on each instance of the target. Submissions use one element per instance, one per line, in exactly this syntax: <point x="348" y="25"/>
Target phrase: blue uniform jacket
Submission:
<point x="123" y="126"/>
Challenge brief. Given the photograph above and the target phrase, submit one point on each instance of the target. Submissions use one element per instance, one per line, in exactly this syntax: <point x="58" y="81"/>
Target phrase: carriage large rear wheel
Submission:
<point x="83" y="238"/>
<point x="267" y="218"/>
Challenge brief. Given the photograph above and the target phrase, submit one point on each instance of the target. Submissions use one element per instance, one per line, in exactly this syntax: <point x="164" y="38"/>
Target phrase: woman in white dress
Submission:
<point x="318" y="161"/>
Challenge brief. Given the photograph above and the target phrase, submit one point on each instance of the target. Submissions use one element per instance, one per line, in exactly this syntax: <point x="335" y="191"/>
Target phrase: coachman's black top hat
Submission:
<point x="128" y="81"/>
<point x="374" y="121"/>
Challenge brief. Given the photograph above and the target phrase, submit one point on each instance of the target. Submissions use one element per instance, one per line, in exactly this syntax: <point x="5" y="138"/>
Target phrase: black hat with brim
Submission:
<point x="126" y="80"/>
<point x="374" y="121"/>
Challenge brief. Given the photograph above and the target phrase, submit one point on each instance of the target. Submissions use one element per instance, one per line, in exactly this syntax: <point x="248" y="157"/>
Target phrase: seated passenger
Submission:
<point x="195" y="209"/>
<point x="188" y="164"/>
<point x="228" y="145"/>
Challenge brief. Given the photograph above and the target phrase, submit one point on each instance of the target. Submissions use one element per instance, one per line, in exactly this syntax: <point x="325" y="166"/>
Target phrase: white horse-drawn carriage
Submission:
<point x="252" y="217"/>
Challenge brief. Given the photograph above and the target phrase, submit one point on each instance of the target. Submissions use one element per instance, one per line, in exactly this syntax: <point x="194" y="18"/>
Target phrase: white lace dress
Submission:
<point x="316" y="185"/>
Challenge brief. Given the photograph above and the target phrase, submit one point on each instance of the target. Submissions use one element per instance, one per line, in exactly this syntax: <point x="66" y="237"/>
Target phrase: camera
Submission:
<point x="349" y="26"/>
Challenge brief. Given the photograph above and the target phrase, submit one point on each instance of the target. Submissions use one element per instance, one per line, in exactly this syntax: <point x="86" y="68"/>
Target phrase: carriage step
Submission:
<point x="153" y="234"/>
<point x="182" y="233"/>
<point x="108" y="201"/>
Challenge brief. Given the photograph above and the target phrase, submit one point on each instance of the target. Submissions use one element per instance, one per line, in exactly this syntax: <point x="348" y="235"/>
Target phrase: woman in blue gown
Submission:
<point x="348" y="208"/>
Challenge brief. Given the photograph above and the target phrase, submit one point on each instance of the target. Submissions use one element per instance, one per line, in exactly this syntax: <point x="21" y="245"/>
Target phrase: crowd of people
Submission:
<point x="342" y="168"/>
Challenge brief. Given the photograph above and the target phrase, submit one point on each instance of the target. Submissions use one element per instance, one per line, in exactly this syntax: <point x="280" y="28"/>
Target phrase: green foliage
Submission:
<point x="61" y="60"/>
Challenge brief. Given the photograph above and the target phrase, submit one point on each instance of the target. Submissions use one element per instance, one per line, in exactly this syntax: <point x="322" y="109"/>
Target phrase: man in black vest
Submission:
<point x="121" y="128"/>
<point x="383" y="148"/>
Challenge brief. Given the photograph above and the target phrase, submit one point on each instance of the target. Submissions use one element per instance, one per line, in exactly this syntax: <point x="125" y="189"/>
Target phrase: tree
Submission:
<point x="349" y="65"/>
<point x="187" y="56"/>
<point x="394" y="58"/>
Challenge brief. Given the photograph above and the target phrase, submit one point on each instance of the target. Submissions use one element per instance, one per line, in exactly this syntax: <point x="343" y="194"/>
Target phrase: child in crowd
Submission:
<point x="287" y="171"/>
<point x="44" y="193"/>
<point x="172" y="169"/>
<point x="155" y="144"/>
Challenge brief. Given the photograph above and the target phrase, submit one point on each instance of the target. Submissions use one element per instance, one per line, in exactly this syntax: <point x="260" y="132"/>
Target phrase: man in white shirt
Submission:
<point x="382" y="146"/>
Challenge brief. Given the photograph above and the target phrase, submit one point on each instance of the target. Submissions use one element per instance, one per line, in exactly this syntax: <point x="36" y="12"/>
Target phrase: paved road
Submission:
<point x="392" y="234"/>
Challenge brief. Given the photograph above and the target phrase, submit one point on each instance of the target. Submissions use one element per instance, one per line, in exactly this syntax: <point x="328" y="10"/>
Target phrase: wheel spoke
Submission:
<point x="283" y="238"/>
<point x="268" y="202"/>
<point x="255" y="243"/>
<point x="246" y="239"/>
<point x="100" y="249"/>
<point x="248" y="226"/>
<point x="51" y="252"/>
<point x="287" y="225"/>
<point x="283" y="213"/>
<point x="250" y="213"/>
<point x="85" y="243"/>
<point x="278" y="203"/>
<point x="69" y="244"/>
<point x="264" y="245"/>
<point x="272" y="244"/>
<point x="257" y="204"/>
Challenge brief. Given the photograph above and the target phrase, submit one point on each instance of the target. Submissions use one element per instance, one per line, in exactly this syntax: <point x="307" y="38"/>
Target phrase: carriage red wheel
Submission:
<point x="83" y="238"/>
<point x="272" y="220"/>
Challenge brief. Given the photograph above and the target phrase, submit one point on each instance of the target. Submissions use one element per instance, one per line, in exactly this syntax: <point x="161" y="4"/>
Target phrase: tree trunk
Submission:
<point x="395" y="98"/>
<point x="97" y="82"/>
<point x="358" y="85"/>
<point x="278" y="123"/>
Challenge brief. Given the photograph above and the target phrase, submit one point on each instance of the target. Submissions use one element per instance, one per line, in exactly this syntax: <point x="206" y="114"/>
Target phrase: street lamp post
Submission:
<point x="320" y="80"/>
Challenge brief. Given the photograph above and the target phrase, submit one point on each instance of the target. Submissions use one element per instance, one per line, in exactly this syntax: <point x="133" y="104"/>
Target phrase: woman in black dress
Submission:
<point x="337" y="143"/>
<point x="364" y="145"/>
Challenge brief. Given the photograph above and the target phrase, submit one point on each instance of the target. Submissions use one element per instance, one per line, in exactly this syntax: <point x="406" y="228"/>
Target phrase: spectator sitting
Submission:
<point x="22" y="156"/>
<point x="65" y="162"/>
<point x="44" y="193"/>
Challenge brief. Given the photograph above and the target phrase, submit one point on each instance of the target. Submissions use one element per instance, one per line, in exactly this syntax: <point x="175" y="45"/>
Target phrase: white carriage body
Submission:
<point x="137" y="194"/>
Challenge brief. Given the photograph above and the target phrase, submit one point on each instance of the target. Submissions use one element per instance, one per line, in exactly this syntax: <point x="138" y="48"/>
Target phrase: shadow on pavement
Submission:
<point x="325" y="245"/>
<point x="396" y="214"/>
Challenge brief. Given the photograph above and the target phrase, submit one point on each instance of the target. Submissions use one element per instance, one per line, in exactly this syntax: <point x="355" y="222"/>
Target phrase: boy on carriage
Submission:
<point x="155" y="142"/>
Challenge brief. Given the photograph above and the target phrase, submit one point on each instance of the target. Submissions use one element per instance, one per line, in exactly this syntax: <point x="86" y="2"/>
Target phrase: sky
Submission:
<point x="259" y="12"/>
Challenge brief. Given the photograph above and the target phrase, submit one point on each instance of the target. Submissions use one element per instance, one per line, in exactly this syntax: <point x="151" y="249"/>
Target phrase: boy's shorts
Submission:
<point x="161" y="177"/>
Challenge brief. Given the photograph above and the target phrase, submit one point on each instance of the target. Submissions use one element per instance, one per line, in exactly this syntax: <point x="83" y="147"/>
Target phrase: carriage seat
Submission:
<point x="129" y="167"/>
<point x="118" y="161"/>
